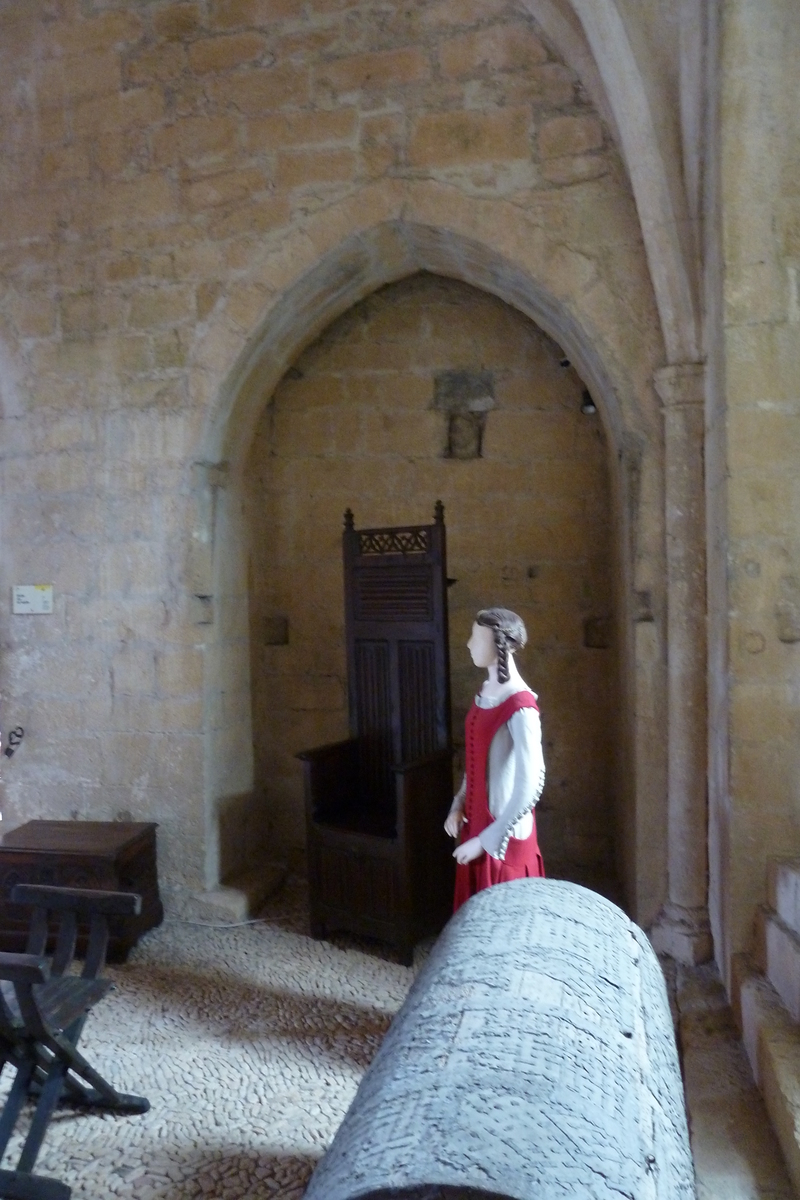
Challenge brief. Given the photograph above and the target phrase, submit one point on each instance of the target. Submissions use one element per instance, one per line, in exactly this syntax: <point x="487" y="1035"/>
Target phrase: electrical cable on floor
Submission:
<point x="214" y="925"/>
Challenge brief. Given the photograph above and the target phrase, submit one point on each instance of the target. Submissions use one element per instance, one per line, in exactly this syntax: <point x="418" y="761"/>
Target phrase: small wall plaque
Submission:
<point x="32" y="599"/>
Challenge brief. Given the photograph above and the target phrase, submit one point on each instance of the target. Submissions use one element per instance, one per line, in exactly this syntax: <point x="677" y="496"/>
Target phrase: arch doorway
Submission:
<point x="430" y="388"/>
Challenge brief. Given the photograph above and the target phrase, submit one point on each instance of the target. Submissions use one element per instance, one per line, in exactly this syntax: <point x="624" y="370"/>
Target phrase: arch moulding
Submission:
<point x="301" y="286"/>
<point x="607" y="44"/>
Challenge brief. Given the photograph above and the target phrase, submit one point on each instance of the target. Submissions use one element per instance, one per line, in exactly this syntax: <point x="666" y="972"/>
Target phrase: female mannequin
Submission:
<point x="504" y="765"/>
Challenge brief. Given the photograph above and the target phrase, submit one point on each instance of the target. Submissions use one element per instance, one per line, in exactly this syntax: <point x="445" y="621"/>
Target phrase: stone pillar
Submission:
<point x="682" y="928"/>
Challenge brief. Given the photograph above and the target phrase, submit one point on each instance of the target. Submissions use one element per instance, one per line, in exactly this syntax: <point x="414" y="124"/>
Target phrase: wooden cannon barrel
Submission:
<point x="533" y="1059"/>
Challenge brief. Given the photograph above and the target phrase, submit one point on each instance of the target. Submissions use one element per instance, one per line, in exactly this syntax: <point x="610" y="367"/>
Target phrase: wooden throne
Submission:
<point x="379" y="861"/>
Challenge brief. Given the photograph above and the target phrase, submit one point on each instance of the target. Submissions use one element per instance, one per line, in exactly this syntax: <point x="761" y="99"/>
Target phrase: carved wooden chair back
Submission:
<point x="395" y="584"/>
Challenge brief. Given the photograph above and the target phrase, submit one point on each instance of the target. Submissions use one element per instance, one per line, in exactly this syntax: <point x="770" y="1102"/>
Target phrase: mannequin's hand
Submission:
<point x="455" y="820"/>
<point x="468" y="851"/>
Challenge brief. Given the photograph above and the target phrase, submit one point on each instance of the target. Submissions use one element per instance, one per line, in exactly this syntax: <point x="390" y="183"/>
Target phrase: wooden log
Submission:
<point x="534" y="1059"/>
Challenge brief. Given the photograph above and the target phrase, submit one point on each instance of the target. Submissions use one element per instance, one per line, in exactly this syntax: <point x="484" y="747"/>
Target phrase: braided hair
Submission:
<point x="509" y="632"/>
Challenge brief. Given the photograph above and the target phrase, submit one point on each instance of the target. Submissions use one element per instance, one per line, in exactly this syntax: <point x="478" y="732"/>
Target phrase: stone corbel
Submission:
<point x="682" y="928"/>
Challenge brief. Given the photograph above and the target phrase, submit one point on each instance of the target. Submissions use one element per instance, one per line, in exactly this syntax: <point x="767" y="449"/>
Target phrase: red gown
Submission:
<point x="522" y="854"/>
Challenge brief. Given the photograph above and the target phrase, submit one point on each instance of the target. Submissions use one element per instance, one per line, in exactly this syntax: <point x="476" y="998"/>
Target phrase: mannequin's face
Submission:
<point x="481" y="646"/>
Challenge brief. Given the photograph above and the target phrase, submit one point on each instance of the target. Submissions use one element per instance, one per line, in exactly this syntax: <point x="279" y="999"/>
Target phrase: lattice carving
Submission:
<point x="414" y="540"/>
<point x="417" y="669"/>
<point x="379" y="861"/>
<point x="374" y="718"/>
<point x="404" y="594"/>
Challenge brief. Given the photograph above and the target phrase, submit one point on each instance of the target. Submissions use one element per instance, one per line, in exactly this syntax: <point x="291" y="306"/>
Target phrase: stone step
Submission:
<point x="772" y="1041"/>
<point x="736" y="1151"/>
<point x="777" y="956"/>
<point x="241" y="896"/>
<point x="783" y="890"/>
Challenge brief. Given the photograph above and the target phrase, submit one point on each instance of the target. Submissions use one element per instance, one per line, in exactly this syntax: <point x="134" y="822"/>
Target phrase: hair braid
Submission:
<point x="509" y="635"/>
<point x="502" y="656"/>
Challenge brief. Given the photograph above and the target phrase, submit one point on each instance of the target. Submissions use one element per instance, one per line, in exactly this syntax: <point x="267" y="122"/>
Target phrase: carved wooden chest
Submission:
<point x="112" y="856"/>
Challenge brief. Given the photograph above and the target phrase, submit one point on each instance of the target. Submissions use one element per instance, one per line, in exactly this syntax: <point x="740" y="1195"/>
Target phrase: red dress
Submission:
<point x="522" y="854"/>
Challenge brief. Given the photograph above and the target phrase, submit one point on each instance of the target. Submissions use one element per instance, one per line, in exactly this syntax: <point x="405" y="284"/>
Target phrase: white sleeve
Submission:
<point x="460" y="797"/>
<point x="525" y="728"/>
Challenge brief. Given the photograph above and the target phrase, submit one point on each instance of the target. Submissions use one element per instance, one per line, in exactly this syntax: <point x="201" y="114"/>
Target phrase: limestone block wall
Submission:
<point x="754" y="417"/>
<point x="190" y="193"/>
<point x="356" y="423"/>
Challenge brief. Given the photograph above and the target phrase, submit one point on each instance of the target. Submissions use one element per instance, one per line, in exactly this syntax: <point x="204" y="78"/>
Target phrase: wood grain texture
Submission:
<point x="533" y="1059"/>
<point x="104" y="861"/>
<point x="379" y="861"/>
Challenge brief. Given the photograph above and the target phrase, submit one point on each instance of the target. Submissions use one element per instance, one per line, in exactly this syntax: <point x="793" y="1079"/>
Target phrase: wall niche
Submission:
<point x="366" y="418"/>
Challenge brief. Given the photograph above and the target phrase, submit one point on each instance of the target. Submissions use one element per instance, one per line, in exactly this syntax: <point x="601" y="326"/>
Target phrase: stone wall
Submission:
<point x="755" y="424"/>
<point x="191" y="192"/>
<point x="357" y="423"/>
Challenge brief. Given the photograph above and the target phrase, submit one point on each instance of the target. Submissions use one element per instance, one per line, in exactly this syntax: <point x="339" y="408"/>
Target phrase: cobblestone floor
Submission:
<point x="249" y="1044"/>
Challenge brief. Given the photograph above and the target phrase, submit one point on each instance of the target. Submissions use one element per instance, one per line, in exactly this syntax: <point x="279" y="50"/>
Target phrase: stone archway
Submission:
<point x="389" y="250"/>
<point x="377" y="416"/>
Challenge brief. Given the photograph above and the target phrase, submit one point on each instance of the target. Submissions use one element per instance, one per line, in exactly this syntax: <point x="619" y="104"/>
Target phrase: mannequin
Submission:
<point x="493" y="810"/>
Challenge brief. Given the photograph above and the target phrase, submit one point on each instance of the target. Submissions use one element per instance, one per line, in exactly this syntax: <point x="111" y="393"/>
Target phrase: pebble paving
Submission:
<point x="249" y="1043"/>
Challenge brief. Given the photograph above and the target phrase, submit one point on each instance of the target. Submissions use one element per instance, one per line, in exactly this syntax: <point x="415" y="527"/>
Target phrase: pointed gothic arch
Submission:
<point x="316" y="295"/>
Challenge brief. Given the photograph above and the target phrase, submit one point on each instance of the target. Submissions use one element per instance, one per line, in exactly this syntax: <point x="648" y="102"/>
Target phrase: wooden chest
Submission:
<point x="114" y="856"/>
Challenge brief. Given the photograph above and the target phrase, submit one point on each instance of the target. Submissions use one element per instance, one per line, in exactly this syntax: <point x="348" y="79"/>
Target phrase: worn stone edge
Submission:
<point x="772" y="1043"/>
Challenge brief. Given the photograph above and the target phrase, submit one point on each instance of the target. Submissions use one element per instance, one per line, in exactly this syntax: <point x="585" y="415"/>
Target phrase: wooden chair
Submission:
<point x="43" y="1008"/>
<point x="379" y="861"/>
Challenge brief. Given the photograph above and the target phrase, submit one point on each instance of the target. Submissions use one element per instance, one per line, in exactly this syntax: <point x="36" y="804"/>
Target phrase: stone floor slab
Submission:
<point x="736" y="1153"/>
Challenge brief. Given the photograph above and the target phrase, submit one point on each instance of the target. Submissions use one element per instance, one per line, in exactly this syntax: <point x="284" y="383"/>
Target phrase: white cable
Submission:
<point x="215" y="925"/>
